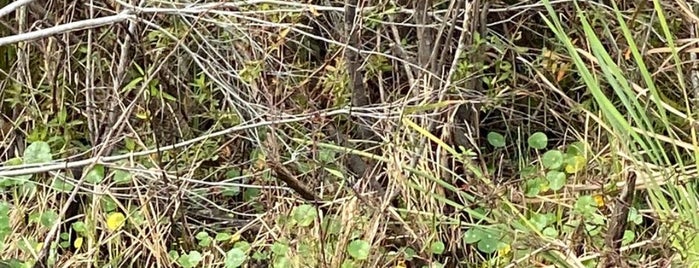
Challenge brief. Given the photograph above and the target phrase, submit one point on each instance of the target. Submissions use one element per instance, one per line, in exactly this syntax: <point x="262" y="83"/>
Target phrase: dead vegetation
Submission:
<point x="346" y="134"/>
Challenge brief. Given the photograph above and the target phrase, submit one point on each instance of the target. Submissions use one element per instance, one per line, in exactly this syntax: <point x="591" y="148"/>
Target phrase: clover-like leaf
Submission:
<point x="359" y="249"/>
<point x="556" y="179"/>
<point x="496" y="139"/>
<point x="235" y="258"/>
<point x="552" y="159"/>
<point x="538" y="140"/>
<point x="37" y="152"/>
<point x="304" y="215"/>
<point x="437" y="247"/>
<point x="95" y="175"/>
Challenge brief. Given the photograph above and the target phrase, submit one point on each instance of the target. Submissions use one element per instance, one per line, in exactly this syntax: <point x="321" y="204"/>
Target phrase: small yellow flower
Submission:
<point x="599" y="200"/>
<point x="115" y="221"/>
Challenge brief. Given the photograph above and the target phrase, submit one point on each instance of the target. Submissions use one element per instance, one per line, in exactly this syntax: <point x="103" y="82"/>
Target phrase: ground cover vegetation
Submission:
<point x="325" y="133"/>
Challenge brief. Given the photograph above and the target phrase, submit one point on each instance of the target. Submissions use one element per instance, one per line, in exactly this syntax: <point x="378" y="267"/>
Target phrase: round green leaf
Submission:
<point x="235" y="258"/>
<point x="437" y="247"/>
<point x="48" y="218"/>
<point x="473" y="235"/>
<point x="550" y="232"/>
<point x="496" y="139"/>
<point x="585" y="205"/>
<point x="304" y="215"/>
<point x="359" y="249"/>
<point x="538" y="140"/>
<point x="37" y="152"/>
<point x="95" y="175"/>
<point x="556" y="179"/>
<point x="79" y="227"/>
<point x="552" y="159"/>
<point x="488" y="245"/>
<point x="202" y="235"/>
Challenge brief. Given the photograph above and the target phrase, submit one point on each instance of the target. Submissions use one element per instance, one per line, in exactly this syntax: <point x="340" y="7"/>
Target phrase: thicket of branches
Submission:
<point x="227" y="117"/>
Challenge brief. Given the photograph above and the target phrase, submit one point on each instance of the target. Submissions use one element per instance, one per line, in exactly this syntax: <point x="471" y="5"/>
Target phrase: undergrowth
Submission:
<point x="348" y="134"/>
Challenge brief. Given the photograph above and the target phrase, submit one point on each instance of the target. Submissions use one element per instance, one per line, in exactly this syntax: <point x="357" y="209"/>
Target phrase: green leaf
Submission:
<point x="250" y="193"/>
<point x="539" y="221"/>
<point x="48" y="218"/>
<point x="61" y="185"/>
<point x="95" y="175"/>
<point x="230" y="191"/>
<point x="359" y="249"/>
<point x="488" y="245"/>
<point x="473" y="235"/>
<point x="304" y="215"/>
<point x="37" y="152"/>
<point x="190" y="260"/>
<point x="79" y="227"/>
<point x="335" y="173"/>
<point x="552" y="159"/>
<point x="233" y="173"/>
<point x="628" y="237"/>
<point x="121" y="176"/>
<point x="538" y="140"/>
<point x="260" y="255"/>
<point x="221" y="237"/>
<point x="585" y="205"/>
<point x="496" y="139"/>
<point x="332" y="225"/>
<point x="326" y="156"/>
<point x="202" y="235"/>
<point x="173" y="254"/>
<point x="533" y="187"/>
<point x="550" y="232"/>
<point x="634" y="216"/>
<point x="235" y="258"/>
<point x="409" y="253"/>
<point x="108" y="204"/>
<point x="204" y="238"/>
<point x="281" y="262"/>
<point x="279" y="249"/>
<point x="576" y="149"/>
<point x="556" y="179"/>
<point x="242" y="245"/>
<point x="437" y="247"/>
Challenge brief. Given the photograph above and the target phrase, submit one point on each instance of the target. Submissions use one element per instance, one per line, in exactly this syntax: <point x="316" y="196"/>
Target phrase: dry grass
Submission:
<point x="293" y="134"/>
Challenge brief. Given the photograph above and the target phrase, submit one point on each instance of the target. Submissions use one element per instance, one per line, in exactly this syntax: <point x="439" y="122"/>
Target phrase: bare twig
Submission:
<point x="12" y="6"/>
<point x="33" y="169"/>
<point x="65" y="28"/>
<point x="617" y="223"/>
